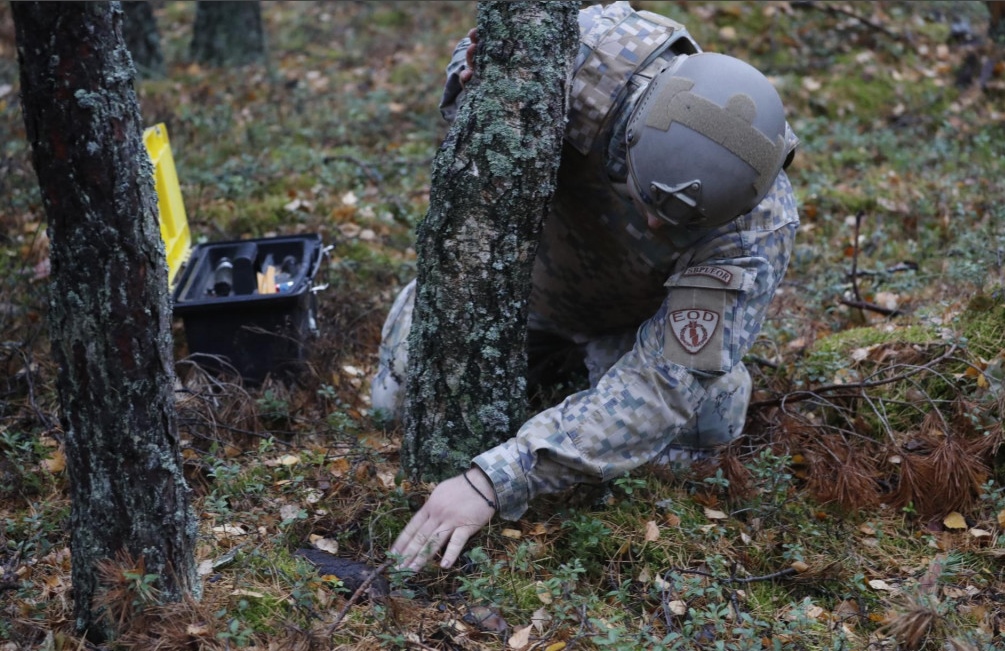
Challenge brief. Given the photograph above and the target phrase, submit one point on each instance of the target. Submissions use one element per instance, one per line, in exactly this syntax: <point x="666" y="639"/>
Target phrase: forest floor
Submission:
<point x="862" y="509"/>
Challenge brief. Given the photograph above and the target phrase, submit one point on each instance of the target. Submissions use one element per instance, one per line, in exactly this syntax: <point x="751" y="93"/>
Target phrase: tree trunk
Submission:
<point x="228" y="33"/>
<point x="996" y="24"/>
<point x="143" y="39"/>
<point x="493" y="179"/>
<point x="110" y="312"/>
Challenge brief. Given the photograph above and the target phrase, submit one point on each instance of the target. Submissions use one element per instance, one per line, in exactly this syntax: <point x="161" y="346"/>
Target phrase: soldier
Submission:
<point x="669" y="232"/>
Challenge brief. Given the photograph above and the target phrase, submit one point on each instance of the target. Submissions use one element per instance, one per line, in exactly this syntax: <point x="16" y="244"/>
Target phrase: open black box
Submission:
<point x="238" y="328"/>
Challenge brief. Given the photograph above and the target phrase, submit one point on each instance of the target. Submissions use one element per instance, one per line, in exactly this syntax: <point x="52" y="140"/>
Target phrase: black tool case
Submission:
<point x="231" y="325"/>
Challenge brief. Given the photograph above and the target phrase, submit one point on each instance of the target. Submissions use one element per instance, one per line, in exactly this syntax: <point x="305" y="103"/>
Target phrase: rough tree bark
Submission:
<point x="228" y="33"/>
<point x="110" y="312"/>
<point x="493" y="179"/>
<point x="143" y="39"/>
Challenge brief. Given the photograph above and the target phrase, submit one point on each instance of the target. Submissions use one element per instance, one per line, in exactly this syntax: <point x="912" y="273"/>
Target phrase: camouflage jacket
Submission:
<point x="691" y="301"/>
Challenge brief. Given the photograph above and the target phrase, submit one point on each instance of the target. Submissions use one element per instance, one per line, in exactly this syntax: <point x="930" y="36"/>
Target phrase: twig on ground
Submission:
<point x="732" y="579"/>
<point x="371" y="173"/>
<point x="356" y="595"/>
<point x="872" y="307"/>
<point x="836" y="10"/>
<point x="800" y="396"/>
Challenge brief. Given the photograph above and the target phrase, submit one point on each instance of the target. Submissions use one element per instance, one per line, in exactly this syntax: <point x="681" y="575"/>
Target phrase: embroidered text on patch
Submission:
<point x="694" y="328"/>
<point x="718" y="273"/>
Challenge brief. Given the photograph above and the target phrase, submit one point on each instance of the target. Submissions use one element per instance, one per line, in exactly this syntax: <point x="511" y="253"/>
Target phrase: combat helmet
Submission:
<point x="706" y="141"/>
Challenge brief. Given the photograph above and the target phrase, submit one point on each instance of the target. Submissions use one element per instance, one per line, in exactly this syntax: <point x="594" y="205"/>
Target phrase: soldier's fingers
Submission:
<point x="406" y="538"/>
<point x="457" y="541"/>
<point x="424" y="545"/>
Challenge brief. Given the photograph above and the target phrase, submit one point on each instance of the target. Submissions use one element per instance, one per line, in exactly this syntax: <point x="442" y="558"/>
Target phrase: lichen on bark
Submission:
<point x="493" y="179"/>
<point x="109" y="307"/>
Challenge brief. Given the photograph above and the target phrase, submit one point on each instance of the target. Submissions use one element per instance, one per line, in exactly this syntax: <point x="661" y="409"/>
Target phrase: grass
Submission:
<point x="831" y="525"/>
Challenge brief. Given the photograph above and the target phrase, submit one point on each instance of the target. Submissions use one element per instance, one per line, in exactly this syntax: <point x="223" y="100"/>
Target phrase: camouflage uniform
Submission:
<point x="664" y="316"/>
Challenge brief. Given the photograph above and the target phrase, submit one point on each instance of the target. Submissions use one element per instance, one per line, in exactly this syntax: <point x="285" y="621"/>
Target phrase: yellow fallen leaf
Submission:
<point x="289" y="460"/>
<point x="713" y="514"/>
<point x="557" y="646"/>
<point x="1001" y="518"/>
<point x="520" y="638"/>
<point x="954" y="521"/>
<point x="514" y="534"/>
<point x="543" y="593"/>
<point x="800" y="566"/>
<point x="542" y="529"/>
<point x="56" y="463"/>
<point x="652" y="531"/>
<point x="340" y="467"/>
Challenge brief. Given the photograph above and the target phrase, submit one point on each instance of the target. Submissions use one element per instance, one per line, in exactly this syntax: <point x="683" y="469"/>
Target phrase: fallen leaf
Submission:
<point x="799" y="566"/>
<point x="513" y="534"/>
<point x="350" y="230"/>
<point x="557" y="646"/>
<point x="289" y="460"/>
<point x="247" y="593"/>
<point x="487" y="619"/>
<point x="543" y="593"/>
<point x="671" y="520"/>
<point x="652" y="531"/>
<point x="713" y="514"/>
<point x="228" y="530"/>
<point x="197" y="630"/>
<point x="678" y="607"/>
<point x="56" y="463"/>
<point x="205" y="568"/>
<point x="340" y="467"/>
<point x="879" y="584"/>
<point x="289" y="511"/>
<point x="386" y="478"/>
<point x="539" y="620"/>
<point x="542" y="529"/>
<point x="324" y="544"/>
<point x="980" y="533"/>
<point x="520" y="637"/>
<point x="954" y="521"/>
<point x="1001" y="518"/>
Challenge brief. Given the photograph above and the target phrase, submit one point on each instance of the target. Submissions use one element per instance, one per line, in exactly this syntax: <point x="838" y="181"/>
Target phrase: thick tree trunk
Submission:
<point x="143" y="39"/>
<point x="228" y="33"/>
<point x="110" y="312"/>
<point x="493" y="180"/>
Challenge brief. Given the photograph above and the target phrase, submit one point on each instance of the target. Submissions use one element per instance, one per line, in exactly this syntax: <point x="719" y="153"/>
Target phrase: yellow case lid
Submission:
<point x="170" y="207"/>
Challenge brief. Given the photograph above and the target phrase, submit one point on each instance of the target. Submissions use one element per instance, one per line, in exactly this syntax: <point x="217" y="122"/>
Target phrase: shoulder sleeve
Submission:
<point x="453" y="93"/>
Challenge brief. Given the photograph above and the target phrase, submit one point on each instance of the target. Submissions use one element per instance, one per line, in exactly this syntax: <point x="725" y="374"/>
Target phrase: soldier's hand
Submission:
<point x="453" y="513"/>
<point x="469" y="72"/>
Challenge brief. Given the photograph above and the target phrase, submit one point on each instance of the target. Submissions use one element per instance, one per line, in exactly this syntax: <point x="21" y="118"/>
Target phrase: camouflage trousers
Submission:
<point x="719" y="421"/>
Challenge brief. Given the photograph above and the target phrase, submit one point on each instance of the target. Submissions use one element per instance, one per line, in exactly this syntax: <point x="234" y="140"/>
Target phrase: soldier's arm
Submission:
<point x="642" y="403"/>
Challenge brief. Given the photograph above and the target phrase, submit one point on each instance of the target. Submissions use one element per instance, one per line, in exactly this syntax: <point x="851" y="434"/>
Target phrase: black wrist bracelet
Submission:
<point x="492" y="505"/>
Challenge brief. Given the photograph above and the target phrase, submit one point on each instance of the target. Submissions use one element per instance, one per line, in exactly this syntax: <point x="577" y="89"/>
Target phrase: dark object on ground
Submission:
<point x="351" y="573"/>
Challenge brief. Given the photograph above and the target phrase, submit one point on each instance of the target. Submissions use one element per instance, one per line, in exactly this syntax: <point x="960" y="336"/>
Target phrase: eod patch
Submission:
<point x="700" y="300"/>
